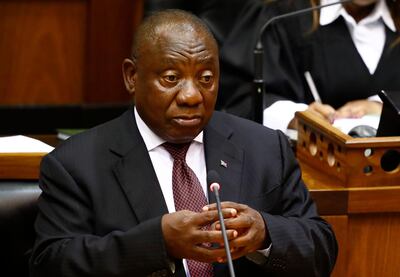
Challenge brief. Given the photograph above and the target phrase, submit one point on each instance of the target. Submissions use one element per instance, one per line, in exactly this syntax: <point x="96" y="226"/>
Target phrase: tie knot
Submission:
<point x="177" y="151"/>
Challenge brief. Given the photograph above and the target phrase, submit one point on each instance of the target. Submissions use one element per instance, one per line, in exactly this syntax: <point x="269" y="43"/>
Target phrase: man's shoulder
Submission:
<point x="244" y="132"/>
<point x="95" y="138"/>
<point x="253" y="138"/>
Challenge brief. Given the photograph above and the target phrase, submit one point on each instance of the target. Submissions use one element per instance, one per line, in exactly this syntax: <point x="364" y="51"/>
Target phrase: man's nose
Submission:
<point x="189" y="95"/>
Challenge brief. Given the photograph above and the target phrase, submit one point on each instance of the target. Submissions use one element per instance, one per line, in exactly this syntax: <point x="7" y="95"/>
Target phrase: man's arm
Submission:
<point x="302" y="244"/>
<point x="66" y="244"/>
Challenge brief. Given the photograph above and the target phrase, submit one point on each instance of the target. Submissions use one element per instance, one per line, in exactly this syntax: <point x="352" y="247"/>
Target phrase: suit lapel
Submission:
<point x="225" y="158"/>
<point x="138" y="179"/>
<point x="135" y="173"/>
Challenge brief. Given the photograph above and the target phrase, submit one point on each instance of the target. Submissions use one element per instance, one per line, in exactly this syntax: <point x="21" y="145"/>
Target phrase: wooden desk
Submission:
<point x="363" y="208"/>
<point x="11" y="165"/>
<point x="24" y="166"/>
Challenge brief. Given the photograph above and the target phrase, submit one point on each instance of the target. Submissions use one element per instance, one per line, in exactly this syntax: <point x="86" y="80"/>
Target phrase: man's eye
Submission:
<point x="206" y="78"/>
<point x="171" y="78"/>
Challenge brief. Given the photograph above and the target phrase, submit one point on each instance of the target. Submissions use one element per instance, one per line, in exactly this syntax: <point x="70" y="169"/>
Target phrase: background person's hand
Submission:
<point x="358" y="108"/>
<point x="185" y="235"/>
<point x="324" y="111"/>
<point x="250" y="226"/>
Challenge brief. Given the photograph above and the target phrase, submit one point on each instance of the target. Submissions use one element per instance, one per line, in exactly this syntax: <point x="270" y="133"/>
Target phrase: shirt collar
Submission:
<point x="151" y="140"/>
<point x="330" y="14"/>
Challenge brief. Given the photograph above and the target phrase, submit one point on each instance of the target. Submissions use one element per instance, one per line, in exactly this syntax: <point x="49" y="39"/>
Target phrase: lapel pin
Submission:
<point x="224" y="164"/>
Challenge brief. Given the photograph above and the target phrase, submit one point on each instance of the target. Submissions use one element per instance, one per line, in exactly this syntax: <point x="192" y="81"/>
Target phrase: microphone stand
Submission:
<point x="258" y="53"/>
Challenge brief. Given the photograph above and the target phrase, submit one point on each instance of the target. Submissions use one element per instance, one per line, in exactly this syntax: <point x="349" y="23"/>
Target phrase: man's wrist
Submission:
<point x="260" y="256"/>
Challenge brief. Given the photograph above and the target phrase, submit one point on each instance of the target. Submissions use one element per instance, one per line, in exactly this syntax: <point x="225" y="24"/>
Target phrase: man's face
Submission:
<point x="176" y="83"/>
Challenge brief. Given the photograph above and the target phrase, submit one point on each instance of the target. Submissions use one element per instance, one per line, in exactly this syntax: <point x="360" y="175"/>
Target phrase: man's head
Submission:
<point x="173" y="74"/>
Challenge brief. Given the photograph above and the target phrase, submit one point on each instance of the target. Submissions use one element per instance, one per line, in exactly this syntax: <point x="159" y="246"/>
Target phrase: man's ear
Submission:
<point x="129" y="73"/>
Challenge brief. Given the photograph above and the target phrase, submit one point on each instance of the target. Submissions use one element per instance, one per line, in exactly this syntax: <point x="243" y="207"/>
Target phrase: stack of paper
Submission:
<point x="23" y="144"/>
<point x="346" y="124"/>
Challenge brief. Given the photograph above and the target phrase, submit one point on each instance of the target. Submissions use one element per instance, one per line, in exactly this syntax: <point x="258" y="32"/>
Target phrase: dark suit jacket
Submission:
<point x="101" y="207"/>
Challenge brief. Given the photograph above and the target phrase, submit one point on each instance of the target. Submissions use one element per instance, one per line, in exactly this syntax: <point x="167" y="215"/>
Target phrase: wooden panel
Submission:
<point x="65" y="51"/>
<point x="339" y="225"/>
<point x="330" y="202"/>
<point x="381" y="199"/>
<point x="370" y="247"/>
<point x="111" y="29"/>
<point x="375" y="244"/>
<point x="333" y="198"/>
<point x="20" y="165"/>
<point x="42" y="51"/>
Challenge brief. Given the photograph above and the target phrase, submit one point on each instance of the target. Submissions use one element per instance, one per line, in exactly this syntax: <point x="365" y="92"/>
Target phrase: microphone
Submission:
<point x="258" y="53"/>
<point x="213" y="179"/>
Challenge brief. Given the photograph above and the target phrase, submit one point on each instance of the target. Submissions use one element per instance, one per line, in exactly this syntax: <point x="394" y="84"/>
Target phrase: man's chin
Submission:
<point x="182" y="137"/>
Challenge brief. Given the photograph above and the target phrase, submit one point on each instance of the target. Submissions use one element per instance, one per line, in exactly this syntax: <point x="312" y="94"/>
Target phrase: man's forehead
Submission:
<point x="173" y="32"/>
<point x="181" y="36"/>
<point x="176" y="37"/>
<point x="176" y="26"/>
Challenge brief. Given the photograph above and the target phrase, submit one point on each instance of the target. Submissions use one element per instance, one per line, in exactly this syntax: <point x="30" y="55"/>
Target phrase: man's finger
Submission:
<point x="226" y="205"/>
<point x="208" y="255"/>
<point x="212" y="236"/>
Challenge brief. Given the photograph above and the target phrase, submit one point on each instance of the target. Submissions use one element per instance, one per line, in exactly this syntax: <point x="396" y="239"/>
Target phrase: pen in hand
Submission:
<point x="317" y="98"/>
<point x="312" y="87"/>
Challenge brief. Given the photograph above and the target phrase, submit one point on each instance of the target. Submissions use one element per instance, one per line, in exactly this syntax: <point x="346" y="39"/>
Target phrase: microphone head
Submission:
<point x="215" y="186"/>
<point x="213" y="180"/>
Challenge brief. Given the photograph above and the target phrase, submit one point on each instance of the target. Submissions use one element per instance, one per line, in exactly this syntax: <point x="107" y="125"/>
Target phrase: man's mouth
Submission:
<point x="187" y="121"/>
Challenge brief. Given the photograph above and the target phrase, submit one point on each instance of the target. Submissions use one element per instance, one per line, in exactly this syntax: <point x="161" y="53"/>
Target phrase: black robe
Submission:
<point x="290" y="49"/>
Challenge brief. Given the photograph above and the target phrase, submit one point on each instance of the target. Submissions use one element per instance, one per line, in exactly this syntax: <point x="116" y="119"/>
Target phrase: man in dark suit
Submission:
<point x="107" y="207"/>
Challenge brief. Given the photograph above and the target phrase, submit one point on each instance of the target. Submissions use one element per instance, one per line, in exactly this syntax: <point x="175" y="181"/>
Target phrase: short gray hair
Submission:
<point x="147" y="30"/>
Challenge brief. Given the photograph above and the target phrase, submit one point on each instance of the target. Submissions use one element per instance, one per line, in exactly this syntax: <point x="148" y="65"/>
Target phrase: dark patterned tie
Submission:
<point x="188" y="195"/>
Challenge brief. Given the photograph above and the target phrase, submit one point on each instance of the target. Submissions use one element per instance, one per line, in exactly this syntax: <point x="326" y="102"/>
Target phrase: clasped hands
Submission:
<point x="198" y="236"/>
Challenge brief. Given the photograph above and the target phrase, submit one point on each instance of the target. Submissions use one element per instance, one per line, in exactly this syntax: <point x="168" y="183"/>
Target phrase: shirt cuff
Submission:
<point x="375" y="98"/>
<point x="260" y="256"/>
<point x="279" y="114"/>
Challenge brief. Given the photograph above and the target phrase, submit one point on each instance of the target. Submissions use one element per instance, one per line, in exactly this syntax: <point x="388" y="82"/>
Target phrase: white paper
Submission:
<point x="292" y="134"/>
<point x="346" y="124"/>
<point x="23" y="144"/>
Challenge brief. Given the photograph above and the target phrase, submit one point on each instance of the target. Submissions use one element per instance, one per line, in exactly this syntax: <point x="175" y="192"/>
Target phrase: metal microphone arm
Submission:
<point x="223" y="230"/>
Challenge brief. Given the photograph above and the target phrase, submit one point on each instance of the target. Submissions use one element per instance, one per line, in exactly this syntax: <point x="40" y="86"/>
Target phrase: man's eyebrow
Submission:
<point x="207" y="59"/>
<point x="202" y="60"/>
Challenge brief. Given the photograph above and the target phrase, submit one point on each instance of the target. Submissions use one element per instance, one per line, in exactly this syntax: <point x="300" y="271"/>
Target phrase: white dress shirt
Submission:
<point x="369" y="38"/>
<point x="163" y="162"/>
